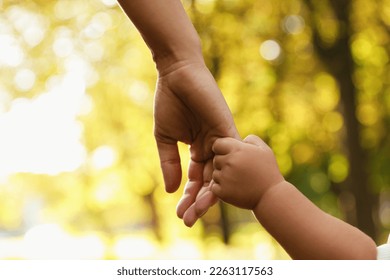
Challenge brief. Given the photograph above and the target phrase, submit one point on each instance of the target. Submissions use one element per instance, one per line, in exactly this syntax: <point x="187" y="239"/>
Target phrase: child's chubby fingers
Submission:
<point x="254" y="140"/>
<point x="219" y="162"/>
<point x="223" y="146"/>
<point x="217" y="190"/>
<point x="217" y="176"/>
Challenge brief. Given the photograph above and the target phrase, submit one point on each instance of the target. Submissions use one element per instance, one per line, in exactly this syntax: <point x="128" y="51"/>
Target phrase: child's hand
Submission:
<point x="243" y="171"/>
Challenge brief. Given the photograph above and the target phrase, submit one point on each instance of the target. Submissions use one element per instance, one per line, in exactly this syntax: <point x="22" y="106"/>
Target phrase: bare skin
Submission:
<point x="188" y="107"/>
<point x="246" y="175"/>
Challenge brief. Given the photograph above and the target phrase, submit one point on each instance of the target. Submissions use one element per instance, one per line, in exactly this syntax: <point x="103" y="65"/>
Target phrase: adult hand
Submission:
<point x="188" y="104"/>
<point x="190" y="108"/>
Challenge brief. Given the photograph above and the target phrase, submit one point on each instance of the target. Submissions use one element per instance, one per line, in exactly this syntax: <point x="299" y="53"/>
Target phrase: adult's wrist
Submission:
<point x="169" y="60"/>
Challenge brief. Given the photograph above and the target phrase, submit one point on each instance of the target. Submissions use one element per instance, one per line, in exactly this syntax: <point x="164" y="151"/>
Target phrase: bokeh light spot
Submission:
<point x="338" y="168"/>
<point x="270" y="50"/>
<point x="293" y="24"/>
<point x="24" y="79"/>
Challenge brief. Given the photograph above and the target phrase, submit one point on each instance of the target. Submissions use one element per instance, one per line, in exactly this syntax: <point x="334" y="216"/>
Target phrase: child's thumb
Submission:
<point x="254" y="140"/>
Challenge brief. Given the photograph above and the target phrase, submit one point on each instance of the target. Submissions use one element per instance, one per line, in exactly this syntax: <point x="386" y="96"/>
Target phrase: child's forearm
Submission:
<point x="305" y="231"/>
<point x="166" y="29"/>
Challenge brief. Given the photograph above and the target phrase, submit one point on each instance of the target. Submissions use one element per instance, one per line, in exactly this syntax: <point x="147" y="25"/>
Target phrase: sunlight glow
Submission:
<point x="109" y="3"/>
<point x="5" y="99"/>
<point x="10" y="248"/>
<point x="103" y="157"/>
<point x="42" y="135"/>
<point x="81" y="69"/>
<point x="98" y="25"/>
<point x="31" y="26"/>
<point x="50" y="241"/>
<point x="11" y="53"/>
<point x="264" y="251"/>
<point x="45" y="241"/>
<point x="63" y="47"/>
<point x="64" y="10"/>
<point x="185" y="249"/>
<point x="139" y="92"/>
<point x="134" y="248"/>
<point x="24" y="79"/>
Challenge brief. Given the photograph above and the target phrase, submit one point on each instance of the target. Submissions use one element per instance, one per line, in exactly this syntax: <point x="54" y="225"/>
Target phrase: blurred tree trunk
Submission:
<point x="338" y="60"/>
<point x="155" y="220"/>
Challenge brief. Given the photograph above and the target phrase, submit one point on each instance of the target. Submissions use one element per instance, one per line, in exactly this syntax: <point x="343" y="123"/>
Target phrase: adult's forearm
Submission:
<point x="305" y="231"/>
<point x="166" y="29"/>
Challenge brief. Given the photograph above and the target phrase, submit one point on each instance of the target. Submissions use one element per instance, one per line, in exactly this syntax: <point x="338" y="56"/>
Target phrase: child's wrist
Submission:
<point x="266" y="194"/>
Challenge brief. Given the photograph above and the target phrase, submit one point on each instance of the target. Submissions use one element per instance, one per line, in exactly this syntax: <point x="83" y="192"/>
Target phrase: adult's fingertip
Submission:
<point x="189" y="223"/>
<point x="182" y="206"/>
<point x="170" y="165"/>
<point x="172" y="174"/>
<point x="203" y="204"/>
<point x="190" y="216"/>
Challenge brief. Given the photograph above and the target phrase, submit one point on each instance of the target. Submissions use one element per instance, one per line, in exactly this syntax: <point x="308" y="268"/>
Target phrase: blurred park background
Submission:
<point x="79" y="170"/>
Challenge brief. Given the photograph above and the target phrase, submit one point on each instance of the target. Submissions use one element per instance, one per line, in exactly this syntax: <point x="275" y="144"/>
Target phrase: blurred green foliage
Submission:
<point x="266" y="57"/>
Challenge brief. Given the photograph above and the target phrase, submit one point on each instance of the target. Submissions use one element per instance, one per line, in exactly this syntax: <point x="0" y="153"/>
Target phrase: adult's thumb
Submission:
<point x="170" y="165"/>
